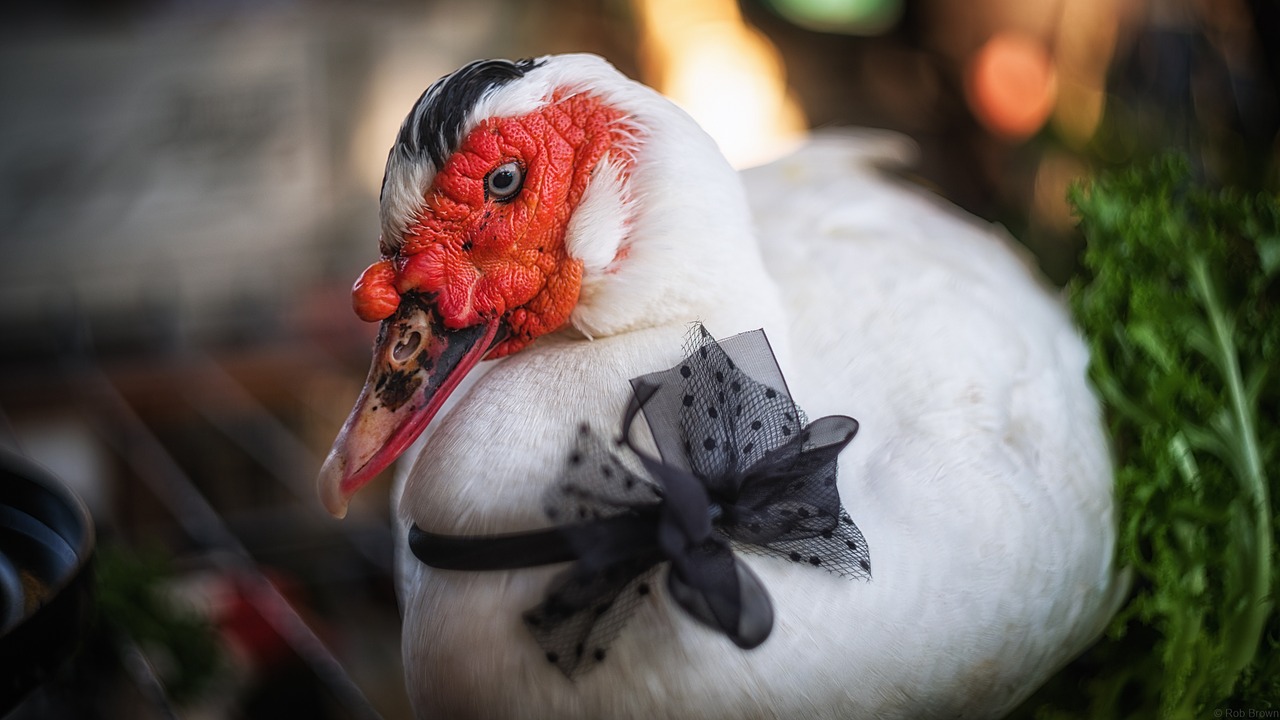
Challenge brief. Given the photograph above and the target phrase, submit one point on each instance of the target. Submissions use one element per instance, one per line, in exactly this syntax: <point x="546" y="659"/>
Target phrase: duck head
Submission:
<point x="513" y="205"/>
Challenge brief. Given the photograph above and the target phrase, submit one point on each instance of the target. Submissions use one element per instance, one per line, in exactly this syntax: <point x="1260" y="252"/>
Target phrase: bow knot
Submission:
<point x="738" y="462"/>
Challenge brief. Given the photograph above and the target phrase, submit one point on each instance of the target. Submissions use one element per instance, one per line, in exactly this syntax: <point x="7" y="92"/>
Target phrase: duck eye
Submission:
<point x="504" y="181"/>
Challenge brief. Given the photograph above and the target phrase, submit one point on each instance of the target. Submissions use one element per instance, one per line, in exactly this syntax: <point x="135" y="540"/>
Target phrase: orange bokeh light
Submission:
<point x="1012" y="85"/>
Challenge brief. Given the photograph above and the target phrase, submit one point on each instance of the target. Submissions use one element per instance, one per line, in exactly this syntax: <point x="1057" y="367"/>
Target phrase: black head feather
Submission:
<point x="434" y="127"/>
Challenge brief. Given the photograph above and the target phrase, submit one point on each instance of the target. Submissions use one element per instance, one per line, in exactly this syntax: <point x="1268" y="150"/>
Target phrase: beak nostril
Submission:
<point x="407" y="347"/>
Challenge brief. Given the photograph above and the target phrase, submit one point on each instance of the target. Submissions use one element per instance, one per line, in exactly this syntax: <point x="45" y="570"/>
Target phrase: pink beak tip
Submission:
<point x="330" y="484"/>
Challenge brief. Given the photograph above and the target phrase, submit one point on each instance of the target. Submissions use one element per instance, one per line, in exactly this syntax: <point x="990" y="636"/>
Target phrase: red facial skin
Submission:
<point x="482" y="258"/>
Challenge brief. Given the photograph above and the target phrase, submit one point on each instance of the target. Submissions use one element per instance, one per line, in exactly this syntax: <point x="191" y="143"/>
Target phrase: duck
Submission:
<point x="551" y="229"/>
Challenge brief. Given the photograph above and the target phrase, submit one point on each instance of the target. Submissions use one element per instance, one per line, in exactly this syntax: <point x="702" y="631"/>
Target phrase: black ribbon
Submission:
<point x="738" y="463"/>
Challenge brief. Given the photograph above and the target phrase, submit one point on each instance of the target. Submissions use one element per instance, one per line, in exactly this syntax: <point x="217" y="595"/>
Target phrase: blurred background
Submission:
<point x="188" y="189"/>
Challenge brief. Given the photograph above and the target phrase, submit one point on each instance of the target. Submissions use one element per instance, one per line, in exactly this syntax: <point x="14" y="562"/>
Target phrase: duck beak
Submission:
<point x="417" y="363"/>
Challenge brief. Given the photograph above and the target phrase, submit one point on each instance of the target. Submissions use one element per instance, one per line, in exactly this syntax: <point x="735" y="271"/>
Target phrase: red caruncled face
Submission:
<point x="489" y="242"/>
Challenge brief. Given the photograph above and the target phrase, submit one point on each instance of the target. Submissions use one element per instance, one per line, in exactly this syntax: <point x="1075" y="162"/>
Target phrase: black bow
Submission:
<point x="738" y="463"/>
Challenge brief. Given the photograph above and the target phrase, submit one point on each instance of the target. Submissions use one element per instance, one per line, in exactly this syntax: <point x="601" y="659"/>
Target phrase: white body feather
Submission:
<point x="980" y="476"/>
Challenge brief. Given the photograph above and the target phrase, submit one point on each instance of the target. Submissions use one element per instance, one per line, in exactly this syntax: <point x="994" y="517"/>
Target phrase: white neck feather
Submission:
<point x="672" y="242"/>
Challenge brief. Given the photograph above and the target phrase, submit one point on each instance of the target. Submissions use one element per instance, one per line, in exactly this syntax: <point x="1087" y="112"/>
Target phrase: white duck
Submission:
<point x="574" y="222"/>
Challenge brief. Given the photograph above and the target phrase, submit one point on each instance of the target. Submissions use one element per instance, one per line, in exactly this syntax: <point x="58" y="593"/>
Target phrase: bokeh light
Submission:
<point x="855" y="17"/>
<point x="1012" y="84"/>
<point x="728" y="76"/>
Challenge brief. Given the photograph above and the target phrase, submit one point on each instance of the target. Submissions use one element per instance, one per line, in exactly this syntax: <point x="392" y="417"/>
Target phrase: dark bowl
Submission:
<point x="46" y="541"/>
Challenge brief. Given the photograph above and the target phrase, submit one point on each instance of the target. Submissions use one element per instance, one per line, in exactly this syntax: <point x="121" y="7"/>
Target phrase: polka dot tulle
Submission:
<point x="771" y="473"/>
<point x="588" y="604"/>
<point x="741" y="468"/>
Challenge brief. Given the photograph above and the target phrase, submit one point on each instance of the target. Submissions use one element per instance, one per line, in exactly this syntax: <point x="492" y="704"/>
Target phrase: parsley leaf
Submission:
<point x="1178" y="304"/>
